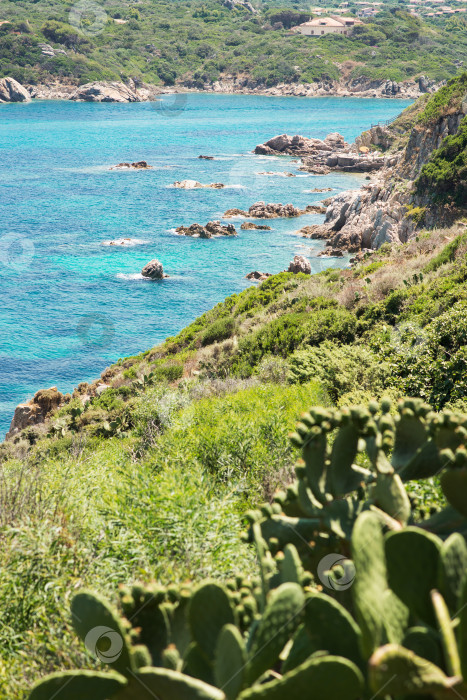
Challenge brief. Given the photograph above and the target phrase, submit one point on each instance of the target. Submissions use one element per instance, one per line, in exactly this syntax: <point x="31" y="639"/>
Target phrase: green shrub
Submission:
<point x="168" y="372"/>
<point x="445" y="174"/>
<point x="417" y="214"/>
<point x="340" y="369"/>
<point x="288" y="332"/>
<point x="221" y="329"/>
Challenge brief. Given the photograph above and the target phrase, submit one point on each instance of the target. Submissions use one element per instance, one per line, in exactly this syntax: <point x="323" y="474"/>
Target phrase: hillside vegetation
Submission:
<point x="195" y="43"/>
<point x="153" y="478"/>
<point x="142" y="489"/>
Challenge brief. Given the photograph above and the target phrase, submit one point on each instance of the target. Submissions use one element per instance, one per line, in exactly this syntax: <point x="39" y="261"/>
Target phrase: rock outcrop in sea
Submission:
<point x="105" y="92"/>
<point x="320" y="156"/>
<point x="154" y="270"/>
<point x="12" y="91"/>
<point x="250" y="226"/>
<point x="212" y="228"/>
<point x="300" y="264"/>
<point x="381" y="210"/>
<point x="137" y="165"/>
<point x="261" y="210"/>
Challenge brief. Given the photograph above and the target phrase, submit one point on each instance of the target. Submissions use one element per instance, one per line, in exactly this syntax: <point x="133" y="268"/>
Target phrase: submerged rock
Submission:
<point x="250" y="226"/>
<point x="138" y="165"/>
<point x="153" y="270"/>
<point x="195" y="185"/>
<point x="300" y="264"/>
<point x="277" y="174"/>
<point x="331" y="253"/>
<point x="12" y="91"/>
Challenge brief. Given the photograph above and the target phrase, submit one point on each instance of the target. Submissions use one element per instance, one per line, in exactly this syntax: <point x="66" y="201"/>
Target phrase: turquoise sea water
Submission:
<point x="71" y="305"/>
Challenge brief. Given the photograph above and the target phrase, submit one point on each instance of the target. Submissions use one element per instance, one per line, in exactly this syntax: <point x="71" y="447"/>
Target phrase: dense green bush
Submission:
<point x="340" y="369"/>
<point x="168" y="372"/>
<point x="221" y="329"/>
<point x="284" y="335"/>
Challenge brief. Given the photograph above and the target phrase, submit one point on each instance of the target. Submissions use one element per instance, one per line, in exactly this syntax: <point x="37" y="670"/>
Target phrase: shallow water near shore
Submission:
<point x="71" y="305"/>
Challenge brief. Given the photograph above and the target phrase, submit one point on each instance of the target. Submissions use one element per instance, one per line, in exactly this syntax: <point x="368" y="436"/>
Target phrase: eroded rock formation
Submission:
<point x="12" y="91"/>
<point x="105" y="92"/>
<point x="154" y="270"/>
<point x="35" y="411"/>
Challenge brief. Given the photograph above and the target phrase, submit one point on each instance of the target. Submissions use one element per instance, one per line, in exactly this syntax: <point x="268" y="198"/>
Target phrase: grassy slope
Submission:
<point x="176" y="40"/>
<point x="165" y="501"/>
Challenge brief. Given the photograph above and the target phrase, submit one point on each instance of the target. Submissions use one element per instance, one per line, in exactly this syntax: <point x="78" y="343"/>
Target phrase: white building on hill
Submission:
<point x="327" y="25"/>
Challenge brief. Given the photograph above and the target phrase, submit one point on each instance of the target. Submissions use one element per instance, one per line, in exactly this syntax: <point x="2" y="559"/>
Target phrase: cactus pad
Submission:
<point x="329" y="677"/>
<point x="282" y="616"/>
<point x="76" y="685"/>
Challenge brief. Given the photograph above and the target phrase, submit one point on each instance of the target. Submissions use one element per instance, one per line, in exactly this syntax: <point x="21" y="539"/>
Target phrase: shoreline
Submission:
<point x="26" y="406"/>
<point x="130" y="92"/>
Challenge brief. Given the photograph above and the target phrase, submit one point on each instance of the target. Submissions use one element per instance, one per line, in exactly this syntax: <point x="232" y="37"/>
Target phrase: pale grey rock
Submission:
<point x="12" y="91"/>
<point x="153" y="270"/>
<point x="300" y="264"/>
<point x="105" y="92"/>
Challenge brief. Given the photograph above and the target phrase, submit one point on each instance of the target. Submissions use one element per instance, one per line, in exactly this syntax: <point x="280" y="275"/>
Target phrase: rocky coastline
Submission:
<point x="135" y="91"/>
<point x="355" y="221"/>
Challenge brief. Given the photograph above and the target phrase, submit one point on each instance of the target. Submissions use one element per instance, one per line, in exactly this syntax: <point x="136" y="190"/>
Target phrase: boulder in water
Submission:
<point x="259" y="276"/>
<point x="105" y="92"/>
<point x="300" y="264"/>
<point x="153" y="270"/>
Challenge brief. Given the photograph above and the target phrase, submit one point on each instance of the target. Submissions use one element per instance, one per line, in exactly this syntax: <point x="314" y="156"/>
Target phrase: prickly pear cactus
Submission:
<point x="413" y="561"/>
<point x="76" y="685"/>
<point x="396" y="671"/>
<point x="282" y="616"/>
<point x="331" y="628"/>
<point x="452" y="570"/>
<point x="102" y="631"/>
<point x="231" y="662"/>
<point x="210" y="610"/>
<point x="329" y="677"/>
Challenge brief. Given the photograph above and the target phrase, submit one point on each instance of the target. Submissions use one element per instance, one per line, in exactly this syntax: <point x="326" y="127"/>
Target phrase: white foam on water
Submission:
<point x="125" y="242"/>
<point x="130" y="276"/>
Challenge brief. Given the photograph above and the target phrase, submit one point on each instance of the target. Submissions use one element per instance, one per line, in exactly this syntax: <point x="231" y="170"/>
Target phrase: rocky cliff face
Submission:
<point x="387" y="210"/>
<point x="35" y="411"/>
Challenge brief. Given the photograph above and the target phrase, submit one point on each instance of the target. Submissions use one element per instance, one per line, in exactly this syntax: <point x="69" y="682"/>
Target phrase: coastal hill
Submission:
<point x="148" y="472"/>
<point x="189" y="43"/>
